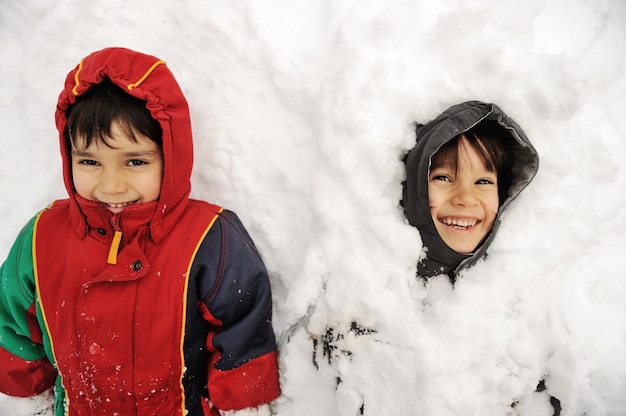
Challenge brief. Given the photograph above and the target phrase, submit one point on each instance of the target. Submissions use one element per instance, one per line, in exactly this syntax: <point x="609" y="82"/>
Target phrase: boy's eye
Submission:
<point x="136" y="162"/>
<point x="88" y="162"/>
<point x="440" y="177"/>
<point x="484" y="181"/>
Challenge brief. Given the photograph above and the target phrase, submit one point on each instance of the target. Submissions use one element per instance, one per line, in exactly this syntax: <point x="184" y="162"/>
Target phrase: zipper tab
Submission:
<point x="117" y="239"/>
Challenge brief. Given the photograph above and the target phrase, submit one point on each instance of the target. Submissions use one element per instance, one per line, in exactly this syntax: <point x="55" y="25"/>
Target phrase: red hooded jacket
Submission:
<point x="178" y="313"/>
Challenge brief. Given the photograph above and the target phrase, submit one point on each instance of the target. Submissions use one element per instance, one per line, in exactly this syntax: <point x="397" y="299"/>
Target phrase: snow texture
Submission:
<point x="301" y="113"/>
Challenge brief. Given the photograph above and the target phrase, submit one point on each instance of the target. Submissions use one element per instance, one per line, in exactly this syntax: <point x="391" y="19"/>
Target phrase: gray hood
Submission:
<point x="441" y="259"/>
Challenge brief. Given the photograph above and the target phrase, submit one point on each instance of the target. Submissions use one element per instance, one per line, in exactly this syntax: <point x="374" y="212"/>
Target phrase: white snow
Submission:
<point x="302" y="111"/>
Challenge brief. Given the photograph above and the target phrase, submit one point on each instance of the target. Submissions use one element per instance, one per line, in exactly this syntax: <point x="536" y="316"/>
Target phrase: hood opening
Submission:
<point x="430" y="137"/>
<point x="148" y="79"/>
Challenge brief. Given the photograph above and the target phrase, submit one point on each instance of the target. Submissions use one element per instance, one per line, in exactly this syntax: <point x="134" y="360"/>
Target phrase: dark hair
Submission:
<point x="91" y="116"/>
<point x="490" y="141"/>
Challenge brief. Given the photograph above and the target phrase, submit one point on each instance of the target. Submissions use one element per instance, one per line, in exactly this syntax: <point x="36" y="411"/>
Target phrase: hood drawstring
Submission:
<point x="117" y="239"/>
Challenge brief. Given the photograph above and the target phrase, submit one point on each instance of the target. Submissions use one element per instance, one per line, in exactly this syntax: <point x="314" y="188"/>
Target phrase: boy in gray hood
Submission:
<point x="468" y="165"/>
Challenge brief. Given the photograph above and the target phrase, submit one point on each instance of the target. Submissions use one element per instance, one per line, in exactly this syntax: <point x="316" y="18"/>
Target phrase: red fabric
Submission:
<point x="118" y="328"/>
<point x="33" y="325"/>
<point x="239" y="388"/>
<point x="216" y="325"/>
<point x="25" y="378"/>
<point x="206" y="314"/>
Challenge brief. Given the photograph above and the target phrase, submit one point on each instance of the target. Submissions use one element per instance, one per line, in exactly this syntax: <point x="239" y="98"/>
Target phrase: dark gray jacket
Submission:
<point x="441" y="259"/>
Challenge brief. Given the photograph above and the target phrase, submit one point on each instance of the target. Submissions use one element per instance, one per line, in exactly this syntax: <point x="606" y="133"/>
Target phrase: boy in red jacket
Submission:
<point x="128" y="297"/>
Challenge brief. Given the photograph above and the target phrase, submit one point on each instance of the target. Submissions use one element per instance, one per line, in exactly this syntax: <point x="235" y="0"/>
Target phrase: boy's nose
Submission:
<point x="464" y="196"/>
<point x="113" y="183"/>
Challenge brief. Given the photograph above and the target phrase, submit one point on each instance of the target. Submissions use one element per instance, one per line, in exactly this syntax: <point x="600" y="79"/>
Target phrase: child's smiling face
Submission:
<point x="463" y="198"/>
<point x="124" y="173"/>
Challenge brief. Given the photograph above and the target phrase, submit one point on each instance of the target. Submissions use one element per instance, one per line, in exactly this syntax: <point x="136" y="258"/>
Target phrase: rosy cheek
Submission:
<point x="495" y="205"/>
<point x="434" y="197"/>
<point x="82" y="189"/>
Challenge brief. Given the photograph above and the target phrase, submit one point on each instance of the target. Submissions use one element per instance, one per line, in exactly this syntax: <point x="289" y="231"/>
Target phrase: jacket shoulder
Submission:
<point x="197" y="207"/>
<point x="57" y="207"/>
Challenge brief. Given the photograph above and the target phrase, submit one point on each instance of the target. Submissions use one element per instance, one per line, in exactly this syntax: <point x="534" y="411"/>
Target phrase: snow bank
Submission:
<point x="302" y="112"/>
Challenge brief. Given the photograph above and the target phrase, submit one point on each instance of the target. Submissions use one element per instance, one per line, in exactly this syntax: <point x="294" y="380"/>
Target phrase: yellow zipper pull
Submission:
<point x="115" y="244"/>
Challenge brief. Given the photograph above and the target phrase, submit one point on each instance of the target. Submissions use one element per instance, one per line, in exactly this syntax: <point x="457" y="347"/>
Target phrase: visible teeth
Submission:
<point x="465" y="223"/>
<point x="119" y="205"/>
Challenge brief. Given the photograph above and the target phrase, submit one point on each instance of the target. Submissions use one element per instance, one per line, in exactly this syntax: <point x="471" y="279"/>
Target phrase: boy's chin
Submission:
<point x="114" y="210"/>
<point x="462" y="247"/>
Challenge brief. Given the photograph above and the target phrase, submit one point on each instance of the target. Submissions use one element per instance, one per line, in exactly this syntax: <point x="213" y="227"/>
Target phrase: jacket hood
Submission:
<point x="458" y="119"/>
<point x="148" y="78"/>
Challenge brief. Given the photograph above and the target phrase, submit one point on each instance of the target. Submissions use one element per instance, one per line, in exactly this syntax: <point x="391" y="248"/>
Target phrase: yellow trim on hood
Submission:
<point x="148" y="72"/>
<point x="76" y="80"/>
<point x="129" y="86"/>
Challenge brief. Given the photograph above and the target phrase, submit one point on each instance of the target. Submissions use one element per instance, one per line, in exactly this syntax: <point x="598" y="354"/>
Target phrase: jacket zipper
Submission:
<point x="117" y="239"/>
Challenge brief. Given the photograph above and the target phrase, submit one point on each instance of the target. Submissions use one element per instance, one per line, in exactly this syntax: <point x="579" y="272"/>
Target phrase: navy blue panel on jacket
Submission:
<point x="229" y="278"/>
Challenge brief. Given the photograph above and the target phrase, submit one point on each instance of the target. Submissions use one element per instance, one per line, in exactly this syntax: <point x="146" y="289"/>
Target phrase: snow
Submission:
<point x="301" y="114"/>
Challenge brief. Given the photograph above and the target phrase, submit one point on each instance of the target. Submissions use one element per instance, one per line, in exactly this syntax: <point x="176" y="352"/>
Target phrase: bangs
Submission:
<point x="84" y="136"/>
<point x="90" y="119"/>
<point x="448" y="154"/>
<point x="492" y="143"/>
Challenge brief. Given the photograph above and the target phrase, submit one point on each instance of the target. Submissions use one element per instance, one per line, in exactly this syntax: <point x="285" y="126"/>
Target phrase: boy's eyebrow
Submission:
<point x="85" y="153"/>
<point x="442" y="165"/>
<point x="142" y="153"/>
<point x="76" y="152"/>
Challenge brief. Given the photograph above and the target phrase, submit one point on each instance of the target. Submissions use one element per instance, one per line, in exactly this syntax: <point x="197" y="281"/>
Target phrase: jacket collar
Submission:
<point x="102" y="223"/>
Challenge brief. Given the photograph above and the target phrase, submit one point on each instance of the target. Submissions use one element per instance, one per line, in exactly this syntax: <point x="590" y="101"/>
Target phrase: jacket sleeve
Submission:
<point x="24" y="368"/>
<point x="243" y="371"/>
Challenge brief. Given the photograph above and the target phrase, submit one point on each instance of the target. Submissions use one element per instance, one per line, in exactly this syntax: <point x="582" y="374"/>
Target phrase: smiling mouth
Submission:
<point x="117" y="206"/>
<point x="459" y="223"/>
